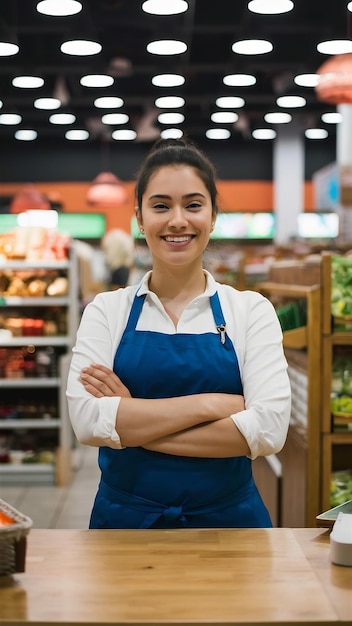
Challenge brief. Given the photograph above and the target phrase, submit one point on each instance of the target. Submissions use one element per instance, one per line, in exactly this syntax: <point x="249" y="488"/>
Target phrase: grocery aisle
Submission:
<point x="60" y="507"/>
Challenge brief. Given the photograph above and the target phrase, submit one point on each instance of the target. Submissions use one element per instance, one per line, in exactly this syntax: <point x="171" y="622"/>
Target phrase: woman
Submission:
<point x="180" y="381"/>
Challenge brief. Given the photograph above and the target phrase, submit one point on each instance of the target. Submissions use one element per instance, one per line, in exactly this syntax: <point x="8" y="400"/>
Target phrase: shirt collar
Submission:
<point x="211" y="286"/>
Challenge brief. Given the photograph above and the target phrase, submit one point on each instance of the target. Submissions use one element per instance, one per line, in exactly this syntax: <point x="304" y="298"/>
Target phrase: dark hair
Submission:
<point x="177" y="152"/>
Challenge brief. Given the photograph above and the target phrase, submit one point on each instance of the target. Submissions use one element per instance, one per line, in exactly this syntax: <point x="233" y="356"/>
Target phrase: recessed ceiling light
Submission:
<point x="97" y="80"/>
<point x="291" y="102"/>
<point x="171" y="118"/>
<point x="1" y="104"/>
<point x="316" y="133"/>
<point x="81" y="47"/>
<point x="277" y="118"/>
<point x="264" y="133"/>
<point x="224" y="117"/>
<point x="169" y="102"/>
<point x="331" y="118"/>
<point x="270" y="7"/>
<point x="171" y="133"/>
<point x="62" y="118"/>
<point x="26" y="135"/>
<point x="335" y="46"/>
<point x="230" y="102"/>
<point x="218" y="133"/>
<point x="47" y="103"/>
<point x="59" y="7"/>
<point x="239" y="80"/>
<point x="306" y="80"/>
<point x="168" y="80"/>
<point x="77" y="135"/>
<point x="28" y="82"/>
<point x="124" y="135"/>
<point x="252" y="46"/>
<point x="10" y="119"/>
<point x="160" y="7"/>
<point x="108" y="102"/>
<point x="8" y="49"/>
<point x="166" y="47"/>
<point x="115" y="118"/>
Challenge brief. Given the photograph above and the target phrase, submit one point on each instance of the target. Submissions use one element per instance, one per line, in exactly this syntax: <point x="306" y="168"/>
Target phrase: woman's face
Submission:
<point x="176" y="215"/>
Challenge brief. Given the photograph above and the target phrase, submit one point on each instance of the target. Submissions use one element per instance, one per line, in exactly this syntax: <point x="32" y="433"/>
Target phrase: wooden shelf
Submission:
<point x="296" y="338"/>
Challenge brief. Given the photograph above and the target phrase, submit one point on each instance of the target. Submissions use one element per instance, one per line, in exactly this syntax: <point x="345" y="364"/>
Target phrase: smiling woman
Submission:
<point x="180" y="381"/>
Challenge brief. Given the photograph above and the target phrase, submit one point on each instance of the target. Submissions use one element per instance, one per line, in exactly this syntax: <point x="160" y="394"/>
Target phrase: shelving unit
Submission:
<point x="317" y="445"/>
<point x="37" y="403"/>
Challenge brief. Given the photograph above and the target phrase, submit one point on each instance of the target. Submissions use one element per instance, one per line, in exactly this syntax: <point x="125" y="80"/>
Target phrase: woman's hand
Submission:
<point x="101" y="381"/>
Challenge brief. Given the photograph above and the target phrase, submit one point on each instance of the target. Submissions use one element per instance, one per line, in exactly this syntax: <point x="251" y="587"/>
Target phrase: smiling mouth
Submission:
<point x="178" y="239"/>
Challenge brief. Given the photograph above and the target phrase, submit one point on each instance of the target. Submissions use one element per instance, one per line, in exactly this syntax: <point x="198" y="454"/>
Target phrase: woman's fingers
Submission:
<point x="100" y="381"/>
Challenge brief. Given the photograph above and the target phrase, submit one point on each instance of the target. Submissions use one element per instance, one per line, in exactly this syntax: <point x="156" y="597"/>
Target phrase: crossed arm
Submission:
<point x="196" y="425"/>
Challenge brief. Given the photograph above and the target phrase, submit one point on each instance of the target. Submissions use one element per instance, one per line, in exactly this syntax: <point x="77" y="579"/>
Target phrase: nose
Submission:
<point x="177" y="218"/>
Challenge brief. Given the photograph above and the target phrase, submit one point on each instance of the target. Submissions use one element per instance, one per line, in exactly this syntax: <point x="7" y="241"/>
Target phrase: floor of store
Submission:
<point x="60" y="507"/>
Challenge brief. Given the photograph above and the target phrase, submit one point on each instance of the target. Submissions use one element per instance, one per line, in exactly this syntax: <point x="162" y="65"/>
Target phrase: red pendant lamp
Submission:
<point x="106" y="190"/>
<point x="29" y="198"/>
<point x="335" y="80"/>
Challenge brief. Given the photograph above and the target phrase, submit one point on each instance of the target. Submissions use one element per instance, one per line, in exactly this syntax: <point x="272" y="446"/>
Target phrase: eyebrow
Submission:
<point x="185" y="196"/>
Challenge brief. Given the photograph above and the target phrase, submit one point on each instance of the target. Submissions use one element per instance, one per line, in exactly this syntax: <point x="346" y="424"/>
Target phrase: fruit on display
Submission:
<point x="340" y="487"/>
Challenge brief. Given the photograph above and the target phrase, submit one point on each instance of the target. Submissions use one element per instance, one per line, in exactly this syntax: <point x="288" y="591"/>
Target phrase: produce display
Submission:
<point x="341" y="286"/>
<point x="341" y="487"/>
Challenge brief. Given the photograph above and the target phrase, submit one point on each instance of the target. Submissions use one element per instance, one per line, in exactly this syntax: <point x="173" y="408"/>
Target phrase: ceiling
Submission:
<point x="209" y="28"/>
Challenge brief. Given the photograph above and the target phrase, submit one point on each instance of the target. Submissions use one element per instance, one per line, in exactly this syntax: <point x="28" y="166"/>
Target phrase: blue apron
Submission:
<point x="145" y="489"/>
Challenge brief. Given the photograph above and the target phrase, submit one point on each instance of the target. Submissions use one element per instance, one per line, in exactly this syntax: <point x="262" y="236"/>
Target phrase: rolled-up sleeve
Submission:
<point x="93" y="419"/>
<point x="266" y="387"/>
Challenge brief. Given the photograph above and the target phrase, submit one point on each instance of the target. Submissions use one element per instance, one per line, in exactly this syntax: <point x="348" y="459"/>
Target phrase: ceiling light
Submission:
<point x="77" y="135"/>
<point x="108" y="102"/>
<point x="62" y="118"/>
<point x="47" y="103"/>
<point x="171" y="133"/>
<point x="168" y="80"/>
<point x="331" y="118"/>
<point x="224" y="117"/>
<point x="10" y="119"/>
<point x="81" y="47"/>
<point x="59" y="7"/>
<point x="169" y="102"/>
<point x="252" y="46"/>
<point x="171" y="118"/>
<point x="97" y="80"/>
<point x="277" y="118"/>
<point x="26" y="135"/>
<point x="230" y="102"/>
<point x="291" y="102"/>
<point x="8" y="49"/>
<point x="270" y="7"/>
<point x="160" y="7"/>
<point x="335" y="46"/>
<point x="218" y="133"/>
<point x="316" y="133"/>
<point x="124" y="135"/>
<point x="264" y="133"/>
<point x="349" y="6"/>
<point x="28" y="82"/>
<point x="306" y="80"/>
<point x="1" y="104"/>
<point x="115" y="118"/>
<point x="166" y="46"/>
<point x="239" y="80"/>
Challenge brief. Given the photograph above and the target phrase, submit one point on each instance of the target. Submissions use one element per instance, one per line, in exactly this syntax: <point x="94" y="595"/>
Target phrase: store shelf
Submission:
<point x="22" y="423"/>
<point x="39" y="264"/>
<point x="26" y="301"/>
<point x="296" y="338"/>
<point x="63" y="340"/>
<point x="27" y="474"/>
<point x="17" y="383"/>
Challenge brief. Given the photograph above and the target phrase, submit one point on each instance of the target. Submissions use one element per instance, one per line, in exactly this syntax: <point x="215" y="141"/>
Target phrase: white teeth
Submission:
<point x="178" y="239"/>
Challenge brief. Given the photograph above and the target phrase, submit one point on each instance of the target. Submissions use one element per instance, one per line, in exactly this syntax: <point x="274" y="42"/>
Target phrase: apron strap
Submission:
<point x="135" y="311"/>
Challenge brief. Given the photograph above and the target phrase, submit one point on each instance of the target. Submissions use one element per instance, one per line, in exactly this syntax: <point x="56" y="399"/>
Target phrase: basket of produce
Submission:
<point x="14" y="528"/>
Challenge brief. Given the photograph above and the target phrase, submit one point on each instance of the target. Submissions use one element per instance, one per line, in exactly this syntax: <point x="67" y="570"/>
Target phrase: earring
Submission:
<point x="141" y="230"/>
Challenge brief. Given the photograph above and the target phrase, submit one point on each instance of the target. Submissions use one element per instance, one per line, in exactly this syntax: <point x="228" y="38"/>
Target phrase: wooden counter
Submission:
<point x="222" y="577"/>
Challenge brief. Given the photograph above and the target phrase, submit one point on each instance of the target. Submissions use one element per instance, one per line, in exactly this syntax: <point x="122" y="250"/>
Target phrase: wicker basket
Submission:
<point x="13" y="540"/>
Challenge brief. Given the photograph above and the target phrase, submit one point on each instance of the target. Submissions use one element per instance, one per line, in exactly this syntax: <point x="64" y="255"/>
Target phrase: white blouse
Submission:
<point x="253" y="327"/>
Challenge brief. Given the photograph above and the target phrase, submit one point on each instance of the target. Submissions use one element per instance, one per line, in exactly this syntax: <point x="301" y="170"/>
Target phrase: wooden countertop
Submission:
<point x="203" y="577"/>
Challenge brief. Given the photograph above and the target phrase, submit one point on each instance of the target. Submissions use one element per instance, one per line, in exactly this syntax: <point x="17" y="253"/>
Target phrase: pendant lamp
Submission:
<point x="106" y="190"/>
<point x="29" y="198"/>
<point x="335" y="80"/>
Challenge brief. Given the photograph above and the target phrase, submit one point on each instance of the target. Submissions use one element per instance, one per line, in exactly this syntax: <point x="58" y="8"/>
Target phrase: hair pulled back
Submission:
<point x="168" y="152"/>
